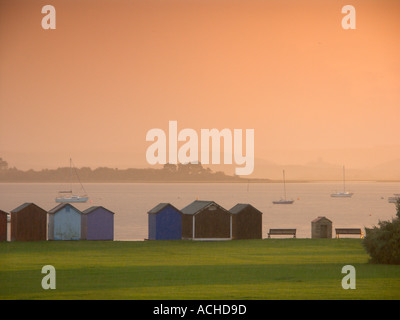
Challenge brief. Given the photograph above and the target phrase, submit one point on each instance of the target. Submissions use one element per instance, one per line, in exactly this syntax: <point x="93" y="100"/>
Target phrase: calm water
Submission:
<point x="131" y="201"/>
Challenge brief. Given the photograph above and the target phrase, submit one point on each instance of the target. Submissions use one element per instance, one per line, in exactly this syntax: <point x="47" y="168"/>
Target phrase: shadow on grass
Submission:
<point x="111" y="278"/>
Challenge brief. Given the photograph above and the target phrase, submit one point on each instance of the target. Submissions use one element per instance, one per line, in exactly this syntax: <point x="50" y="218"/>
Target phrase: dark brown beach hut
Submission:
<point x="206" y="220"/>
<point x="3" y="225"/>
<point x="28" y="223"/>
<point x="246" y="222"/>
<point x="321" y="227"/>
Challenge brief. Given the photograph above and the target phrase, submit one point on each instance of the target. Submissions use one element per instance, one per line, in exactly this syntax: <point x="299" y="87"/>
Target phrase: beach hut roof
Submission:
<point x="160" y="207"/>
<point x="23" y="206"/>
<point x="61" y="206"/>
<point x="93" y="208"/>
<point x="3" y="212"/>
<point x="320" y="218"/>
<point x="199" y="205"/>
<point x="241" y="206"/>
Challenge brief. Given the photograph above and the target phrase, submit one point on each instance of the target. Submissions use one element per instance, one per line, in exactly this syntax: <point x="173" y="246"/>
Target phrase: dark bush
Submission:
<point x="382" y="242"/>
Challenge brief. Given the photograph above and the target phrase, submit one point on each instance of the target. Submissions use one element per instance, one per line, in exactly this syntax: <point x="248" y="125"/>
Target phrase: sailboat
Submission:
<point x="68" y="196"/>
<point x="284" y="200"/>
<point x="344" y="193"/>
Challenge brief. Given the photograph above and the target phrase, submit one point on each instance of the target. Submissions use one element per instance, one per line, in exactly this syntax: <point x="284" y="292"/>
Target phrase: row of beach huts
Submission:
<point x="206" y="220"/>
<point x="29" y="222"/>
<point x="200" y="220"/>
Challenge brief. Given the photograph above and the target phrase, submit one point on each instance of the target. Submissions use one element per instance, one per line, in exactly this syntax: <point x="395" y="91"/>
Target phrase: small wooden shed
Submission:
<point x="246" y="222"/>
<point x="28" y="223"/>
<point x="165" y="222"/>
<point x="321" y="227"/>
<point x="3" y="225"/>
<point x="65" y="223"/>
<point x="205" y="220"/>
<point x="97" y="224"/>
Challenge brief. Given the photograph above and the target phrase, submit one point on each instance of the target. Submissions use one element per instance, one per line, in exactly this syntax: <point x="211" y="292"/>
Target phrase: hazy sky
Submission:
<point x="112" y="70"/>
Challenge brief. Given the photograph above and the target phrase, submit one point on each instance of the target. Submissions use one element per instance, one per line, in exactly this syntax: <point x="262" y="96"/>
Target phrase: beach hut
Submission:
<point x="65" y="223"/>
<point x="28" y="223"/>
<point x="246" y="222"/>
<point x="206" y="220"/>
<point x="165" y="222"/>
<point x="3" y="225"/>
<point x="321" y="227"/>
<point x="97" y="224"/>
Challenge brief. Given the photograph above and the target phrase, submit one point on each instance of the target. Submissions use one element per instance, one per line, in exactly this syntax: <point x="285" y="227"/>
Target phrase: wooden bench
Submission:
<point x="282" y="232"/>
<point x="348" y="231"/>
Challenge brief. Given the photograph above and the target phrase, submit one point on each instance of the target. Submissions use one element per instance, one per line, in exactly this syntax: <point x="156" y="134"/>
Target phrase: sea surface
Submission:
<point x="131" y="201"/>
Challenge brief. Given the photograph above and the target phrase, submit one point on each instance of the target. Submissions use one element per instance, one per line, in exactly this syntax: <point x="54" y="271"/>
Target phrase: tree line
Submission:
<point x="169" y="172"/>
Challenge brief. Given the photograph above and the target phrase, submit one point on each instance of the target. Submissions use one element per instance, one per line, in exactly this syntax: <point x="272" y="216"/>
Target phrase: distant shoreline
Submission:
<point x="210" y="181"/>
<point x="172" y="173"/>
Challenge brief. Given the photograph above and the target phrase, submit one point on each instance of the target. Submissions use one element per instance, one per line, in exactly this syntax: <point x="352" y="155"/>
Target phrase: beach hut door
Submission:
<point x="324" y="231"/>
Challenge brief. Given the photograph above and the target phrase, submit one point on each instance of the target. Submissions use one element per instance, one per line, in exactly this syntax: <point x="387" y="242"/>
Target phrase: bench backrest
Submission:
<point x="348" y="230"/>
<point x="282" y="231"/>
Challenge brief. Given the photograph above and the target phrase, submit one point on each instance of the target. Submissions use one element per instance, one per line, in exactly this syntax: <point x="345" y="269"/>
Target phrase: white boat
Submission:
<point x="72" y="198"/>
<point x="395" y="198"/>
<point x="284" y="200"/>
<point x="68" y="196"/>
<point x="344" y="193"/>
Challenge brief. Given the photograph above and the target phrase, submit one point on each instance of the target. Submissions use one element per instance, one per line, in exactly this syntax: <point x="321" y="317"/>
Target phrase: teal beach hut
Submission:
<point x="65" y="223"/>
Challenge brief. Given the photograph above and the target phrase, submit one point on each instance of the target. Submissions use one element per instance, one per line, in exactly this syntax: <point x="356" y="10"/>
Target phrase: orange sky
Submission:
<point x="112" y="70"/>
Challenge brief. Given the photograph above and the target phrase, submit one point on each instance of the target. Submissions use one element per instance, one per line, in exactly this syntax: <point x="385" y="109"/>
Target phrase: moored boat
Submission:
<point x="344" y="193"/>
<point x="69" y="196"/>
<point x="284" y="200"/>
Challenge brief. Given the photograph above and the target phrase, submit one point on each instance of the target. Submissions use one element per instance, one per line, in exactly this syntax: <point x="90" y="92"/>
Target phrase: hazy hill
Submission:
<point x="325" y="171"/>
<point x="319" y="170"/>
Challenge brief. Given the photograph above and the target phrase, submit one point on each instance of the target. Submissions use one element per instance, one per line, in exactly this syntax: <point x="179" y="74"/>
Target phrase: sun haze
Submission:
<point x="112" y="70"/>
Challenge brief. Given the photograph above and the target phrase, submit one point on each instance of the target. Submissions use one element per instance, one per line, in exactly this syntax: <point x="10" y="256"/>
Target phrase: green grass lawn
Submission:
<point x="253" y="269"/>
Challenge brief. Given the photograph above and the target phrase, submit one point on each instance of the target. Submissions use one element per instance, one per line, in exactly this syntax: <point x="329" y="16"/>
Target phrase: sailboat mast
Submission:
<point x="344" y="181"/>
<point x="284" y="185"/>
<point x="70" y="173"/>
<point x="72" y="165"/>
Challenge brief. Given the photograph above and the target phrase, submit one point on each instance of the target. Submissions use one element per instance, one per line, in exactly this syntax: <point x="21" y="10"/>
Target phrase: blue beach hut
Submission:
<point x="165" y="222"/>
<point x="65" y="223"/>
